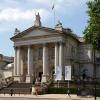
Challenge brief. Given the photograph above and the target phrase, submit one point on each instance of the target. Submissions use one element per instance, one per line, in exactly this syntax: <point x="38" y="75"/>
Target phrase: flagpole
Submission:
<point x="54" y="14"/>
<point x="54" y="17"/>
<point x="35" y="12"/>
<point x="53" y="8"/>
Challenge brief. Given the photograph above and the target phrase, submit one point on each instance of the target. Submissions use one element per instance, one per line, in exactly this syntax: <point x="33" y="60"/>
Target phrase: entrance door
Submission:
<point x="40" y="75"/>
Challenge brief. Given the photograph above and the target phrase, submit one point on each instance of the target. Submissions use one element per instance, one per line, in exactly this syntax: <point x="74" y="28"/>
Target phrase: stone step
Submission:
<point x="18" y="88"/>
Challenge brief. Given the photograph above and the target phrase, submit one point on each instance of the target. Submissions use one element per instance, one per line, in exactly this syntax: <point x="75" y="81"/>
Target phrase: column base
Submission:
<point x="17" y="78"/>
<point x="29" y="79"/>
<point x="44" y="78"/>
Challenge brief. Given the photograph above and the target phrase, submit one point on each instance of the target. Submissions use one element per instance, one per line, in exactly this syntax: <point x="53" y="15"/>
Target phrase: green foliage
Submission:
<point x="61" y="90"/>
<point x="54" y="90"/>
<point x="92" y="31"/>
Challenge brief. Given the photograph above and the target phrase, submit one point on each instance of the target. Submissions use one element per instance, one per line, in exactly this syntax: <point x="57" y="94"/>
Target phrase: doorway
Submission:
<point x="40" y="76"/>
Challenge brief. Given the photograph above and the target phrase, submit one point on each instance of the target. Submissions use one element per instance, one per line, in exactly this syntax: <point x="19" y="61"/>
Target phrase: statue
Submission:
<point x="37" y="20"/>
<point x="59" y="23"/>
<point x="59" y="26"/>
<point x="16" y="31"/>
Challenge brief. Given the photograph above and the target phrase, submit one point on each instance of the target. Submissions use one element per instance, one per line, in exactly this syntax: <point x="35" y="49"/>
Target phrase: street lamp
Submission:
<point x="97" y="11"/>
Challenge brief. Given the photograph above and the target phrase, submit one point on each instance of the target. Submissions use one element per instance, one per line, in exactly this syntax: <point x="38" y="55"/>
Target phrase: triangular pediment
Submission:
<point x="35" y="32"/>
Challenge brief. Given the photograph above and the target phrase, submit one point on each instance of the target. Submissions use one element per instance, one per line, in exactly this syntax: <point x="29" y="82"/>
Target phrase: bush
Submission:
<point x="54" y="90"/>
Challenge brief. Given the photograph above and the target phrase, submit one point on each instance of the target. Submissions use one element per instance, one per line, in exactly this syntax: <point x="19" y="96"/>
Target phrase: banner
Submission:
<point x="67" y="72"/>
<point x="58" y="73"/>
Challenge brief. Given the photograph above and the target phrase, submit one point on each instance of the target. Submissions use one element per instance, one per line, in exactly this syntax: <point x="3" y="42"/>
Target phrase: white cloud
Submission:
<point x="42" y="1"/>
<point x="61" y="6"/>
<point x="67" y="7"/>
<point x="14" y="14"/>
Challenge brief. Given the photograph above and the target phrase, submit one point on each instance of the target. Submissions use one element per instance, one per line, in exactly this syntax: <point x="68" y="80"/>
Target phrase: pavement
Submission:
<point x="45" y="97"/>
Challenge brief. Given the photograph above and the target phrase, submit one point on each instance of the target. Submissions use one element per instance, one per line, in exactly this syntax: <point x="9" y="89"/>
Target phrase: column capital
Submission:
<point x="44" y="44"/>
<point x="56" y="43"/>
<point x="29" y="46"/>
<point x="61" y="43"/>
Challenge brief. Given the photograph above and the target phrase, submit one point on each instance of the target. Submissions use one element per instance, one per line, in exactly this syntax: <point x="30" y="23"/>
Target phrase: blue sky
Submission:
<point x="20" y="14"/>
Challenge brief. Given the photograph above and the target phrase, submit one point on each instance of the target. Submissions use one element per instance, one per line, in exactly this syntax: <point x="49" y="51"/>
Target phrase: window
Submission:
<point x="97" y="60"/>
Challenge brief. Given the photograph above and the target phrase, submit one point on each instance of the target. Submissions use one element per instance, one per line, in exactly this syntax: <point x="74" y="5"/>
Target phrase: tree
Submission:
<point x="92" y="31"/>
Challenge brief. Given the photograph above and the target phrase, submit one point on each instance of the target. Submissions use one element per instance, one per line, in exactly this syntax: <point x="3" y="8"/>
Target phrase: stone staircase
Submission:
<point x="18" y="88"/>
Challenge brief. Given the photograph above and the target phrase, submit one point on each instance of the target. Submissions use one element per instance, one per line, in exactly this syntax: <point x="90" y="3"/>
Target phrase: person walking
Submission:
<point x="68" y="93"/>
<point x="36" y="89"/>
<point x="11" y="92"/>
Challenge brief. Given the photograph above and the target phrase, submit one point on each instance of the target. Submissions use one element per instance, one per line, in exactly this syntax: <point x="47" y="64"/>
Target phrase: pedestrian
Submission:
<point x="84" y="76"/>
<point x="11" y="92"/>
<point x="68" y="93"/>
<point x="36" y="89"/>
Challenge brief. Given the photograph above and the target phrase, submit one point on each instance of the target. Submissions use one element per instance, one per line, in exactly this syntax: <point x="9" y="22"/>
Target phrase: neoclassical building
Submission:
<point x="39" y="50"/>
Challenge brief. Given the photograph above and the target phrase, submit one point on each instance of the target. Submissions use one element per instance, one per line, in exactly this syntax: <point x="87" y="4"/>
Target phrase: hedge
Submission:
<point x="61" y="90"/>
<point x="54" y="90"/>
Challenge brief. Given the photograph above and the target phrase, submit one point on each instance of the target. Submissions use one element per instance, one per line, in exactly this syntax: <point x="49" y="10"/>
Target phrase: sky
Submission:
<point x="21" y="14"/>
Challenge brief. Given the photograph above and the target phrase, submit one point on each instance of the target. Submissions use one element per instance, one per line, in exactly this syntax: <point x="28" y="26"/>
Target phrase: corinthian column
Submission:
<point x="18" y="61"/>
<point x="29" y="65"/>
<point x="56" y="55"/>
<point x="61" y="58"/>
<point x="45" y="63"/>
<point x="15" y="62"/>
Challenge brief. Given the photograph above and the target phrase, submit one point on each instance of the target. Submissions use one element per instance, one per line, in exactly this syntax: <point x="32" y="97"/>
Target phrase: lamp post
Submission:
<point x="97" y="11"/>
<point x="94" y="75"/>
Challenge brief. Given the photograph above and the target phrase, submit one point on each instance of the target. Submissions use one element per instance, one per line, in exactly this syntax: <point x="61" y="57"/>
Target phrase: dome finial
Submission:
<point x="59" y="26"/>
<point x="16" y="31"/>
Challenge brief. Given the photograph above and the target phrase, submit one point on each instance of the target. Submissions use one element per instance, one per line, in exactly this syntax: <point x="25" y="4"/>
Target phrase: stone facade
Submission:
<point x="6" y="67"/>
<point x="39" y="50"/>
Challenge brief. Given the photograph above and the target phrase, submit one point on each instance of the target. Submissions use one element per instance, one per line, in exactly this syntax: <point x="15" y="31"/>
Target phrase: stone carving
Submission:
<point x="16" y="31"/>
<point x="37" y="20"/>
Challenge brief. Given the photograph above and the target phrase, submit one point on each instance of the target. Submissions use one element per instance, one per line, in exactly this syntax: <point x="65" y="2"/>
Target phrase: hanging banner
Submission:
<point x="67" y="72"/>
<point x="58" y="73"/>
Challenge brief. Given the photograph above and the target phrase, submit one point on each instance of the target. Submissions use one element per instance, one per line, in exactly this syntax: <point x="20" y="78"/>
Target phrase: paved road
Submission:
<point x="45" y="97"/>
<point x="28" y="99"/>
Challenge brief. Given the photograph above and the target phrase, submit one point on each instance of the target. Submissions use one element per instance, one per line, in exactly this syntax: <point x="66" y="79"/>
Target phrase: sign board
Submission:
<point x="58" y="73"/>
<point x="67" y="72"/>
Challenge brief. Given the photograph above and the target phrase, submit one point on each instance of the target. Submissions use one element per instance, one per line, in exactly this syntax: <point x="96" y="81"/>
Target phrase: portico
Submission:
<point x="19" y="73"/>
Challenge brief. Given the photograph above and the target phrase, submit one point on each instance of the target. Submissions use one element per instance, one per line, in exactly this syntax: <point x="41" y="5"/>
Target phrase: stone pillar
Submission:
<point x="22" y="65"/>
<point x="15" y="62"/>
<point x="61" y="58"/>
<point x="18" y="61"/>
<point x="29" y="65"/>
<point x="45" y="64"/>
<point x="56" y="55"/>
